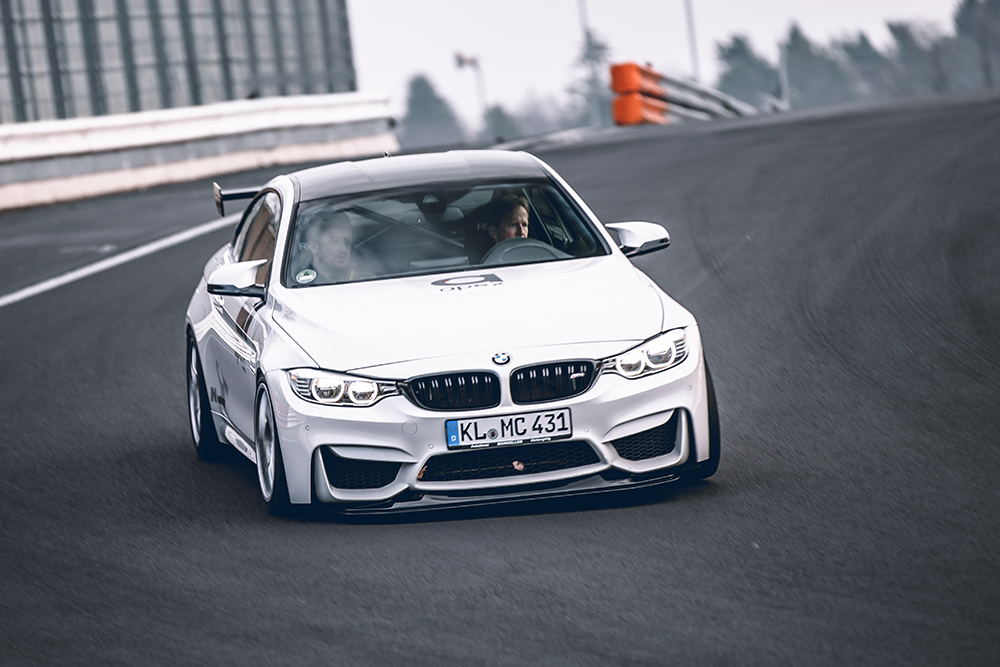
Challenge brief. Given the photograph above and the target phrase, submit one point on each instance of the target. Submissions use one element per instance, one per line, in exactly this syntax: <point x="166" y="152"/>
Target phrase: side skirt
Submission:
<point x="233" y="437"/>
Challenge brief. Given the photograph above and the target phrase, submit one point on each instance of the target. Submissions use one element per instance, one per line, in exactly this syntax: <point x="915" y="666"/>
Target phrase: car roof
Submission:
<point x="400" y="171"/>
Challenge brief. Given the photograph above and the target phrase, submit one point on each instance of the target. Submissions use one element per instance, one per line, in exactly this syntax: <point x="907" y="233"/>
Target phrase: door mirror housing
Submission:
<point x="237" y="279"/>
<point x="638" y="238"/>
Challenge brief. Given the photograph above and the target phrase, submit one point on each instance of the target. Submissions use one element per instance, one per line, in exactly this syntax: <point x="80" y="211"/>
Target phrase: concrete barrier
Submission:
<point x="63" y="160"/>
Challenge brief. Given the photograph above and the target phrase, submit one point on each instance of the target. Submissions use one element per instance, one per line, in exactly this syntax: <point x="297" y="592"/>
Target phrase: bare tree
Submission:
<point x="429" y="121"/>
<point x="816" y="75"/>
<point x="746" y="75"/>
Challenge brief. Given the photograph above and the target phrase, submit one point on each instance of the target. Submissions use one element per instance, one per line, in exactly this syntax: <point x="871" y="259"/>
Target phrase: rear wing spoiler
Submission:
<point x="222" y="196"/>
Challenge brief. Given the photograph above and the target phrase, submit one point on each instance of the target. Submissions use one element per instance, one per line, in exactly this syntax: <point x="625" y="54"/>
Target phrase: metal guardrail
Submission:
<point x="51" y="161"/>
<point x="647" y="96"/>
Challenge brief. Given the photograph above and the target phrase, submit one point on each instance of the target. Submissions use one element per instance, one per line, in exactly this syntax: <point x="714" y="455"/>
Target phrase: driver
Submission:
<point x="329" y="238"/>
<point x="507" y="218"/>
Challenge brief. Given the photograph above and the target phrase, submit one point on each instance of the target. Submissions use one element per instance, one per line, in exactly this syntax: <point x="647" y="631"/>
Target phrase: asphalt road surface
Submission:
<point x="845" y="269"/>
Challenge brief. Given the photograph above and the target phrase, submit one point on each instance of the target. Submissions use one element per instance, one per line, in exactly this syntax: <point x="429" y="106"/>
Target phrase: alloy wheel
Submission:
<point x="194" y="395"/>
<point x="264" y="443"/>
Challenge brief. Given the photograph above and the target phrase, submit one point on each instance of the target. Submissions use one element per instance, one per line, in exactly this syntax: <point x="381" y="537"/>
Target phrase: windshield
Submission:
<point x="434" y="229"/>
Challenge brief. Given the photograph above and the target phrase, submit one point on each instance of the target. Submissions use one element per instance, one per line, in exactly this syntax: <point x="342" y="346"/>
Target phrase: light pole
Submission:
<point x="786" y="90"/>
<point x="591" y="57"/>
<point x="581" y="5"/>
<point x="692" y="40"/>
<point x="462" y="61"/>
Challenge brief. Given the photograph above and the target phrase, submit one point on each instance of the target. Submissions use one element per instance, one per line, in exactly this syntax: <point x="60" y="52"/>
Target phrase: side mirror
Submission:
<point x="237" y="279"/>
<point x="638" y="238"/>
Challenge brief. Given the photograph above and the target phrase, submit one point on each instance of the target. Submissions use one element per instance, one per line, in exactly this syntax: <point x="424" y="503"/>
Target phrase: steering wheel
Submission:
<point x="519" y="250"/>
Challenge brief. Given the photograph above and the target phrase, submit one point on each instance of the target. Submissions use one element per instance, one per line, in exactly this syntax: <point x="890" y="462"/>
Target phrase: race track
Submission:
<point x="844" y="267"/>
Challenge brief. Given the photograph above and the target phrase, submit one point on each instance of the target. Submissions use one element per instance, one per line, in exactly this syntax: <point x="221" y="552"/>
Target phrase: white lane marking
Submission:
<point x="118" y="260"/>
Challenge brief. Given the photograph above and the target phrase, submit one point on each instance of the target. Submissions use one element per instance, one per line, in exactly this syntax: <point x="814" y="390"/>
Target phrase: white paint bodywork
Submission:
<point x="397" y="329"/>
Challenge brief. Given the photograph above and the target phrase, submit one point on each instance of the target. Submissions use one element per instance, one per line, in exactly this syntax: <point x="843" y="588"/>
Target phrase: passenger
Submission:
<point x="507" y="218"/>
<point x="329" y="238"/>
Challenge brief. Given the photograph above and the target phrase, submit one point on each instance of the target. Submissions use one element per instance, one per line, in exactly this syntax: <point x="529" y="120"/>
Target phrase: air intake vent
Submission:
<point x="357" y="474"/>
<point x="456" y="391"/>
<point x="508" y="461"/>
<point x="657" y="441"/>
<point x="550" y="382"/>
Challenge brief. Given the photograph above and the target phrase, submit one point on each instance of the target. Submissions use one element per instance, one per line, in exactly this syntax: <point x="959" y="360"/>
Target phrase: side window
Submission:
<point x="261" y="232"/>
<point x="563" y="226"/>
<point x="240" y="239"/>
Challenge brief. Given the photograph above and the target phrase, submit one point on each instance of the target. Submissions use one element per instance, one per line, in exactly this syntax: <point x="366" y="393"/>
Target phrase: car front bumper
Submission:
<point x="393" y="443"/>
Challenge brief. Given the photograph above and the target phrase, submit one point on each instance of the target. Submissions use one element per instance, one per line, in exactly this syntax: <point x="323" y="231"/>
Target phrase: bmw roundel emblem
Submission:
<point x="501" y="358"/>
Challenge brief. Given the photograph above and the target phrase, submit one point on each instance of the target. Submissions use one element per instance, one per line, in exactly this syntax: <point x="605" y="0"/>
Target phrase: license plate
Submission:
<point x="509" y="429"/>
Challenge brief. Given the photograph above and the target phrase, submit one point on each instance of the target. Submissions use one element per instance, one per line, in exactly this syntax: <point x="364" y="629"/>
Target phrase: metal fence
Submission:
<point x="70" y="58"/>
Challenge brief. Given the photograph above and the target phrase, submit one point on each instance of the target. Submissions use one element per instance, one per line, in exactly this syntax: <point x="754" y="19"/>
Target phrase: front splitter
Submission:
<point x="425" y="501"/>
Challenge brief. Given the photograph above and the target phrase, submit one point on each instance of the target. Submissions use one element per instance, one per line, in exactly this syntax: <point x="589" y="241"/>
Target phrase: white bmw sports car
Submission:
<point x="442" y="330"/>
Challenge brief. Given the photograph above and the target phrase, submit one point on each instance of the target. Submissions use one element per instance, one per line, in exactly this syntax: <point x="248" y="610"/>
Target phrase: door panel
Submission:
<point x="236" y="359"/>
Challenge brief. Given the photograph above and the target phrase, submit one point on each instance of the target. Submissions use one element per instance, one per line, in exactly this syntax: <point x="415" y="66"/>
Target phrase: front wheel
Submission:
<point x="206" y="440"/>
<point x="709" y="466"/>
<point x="270" y="466"/>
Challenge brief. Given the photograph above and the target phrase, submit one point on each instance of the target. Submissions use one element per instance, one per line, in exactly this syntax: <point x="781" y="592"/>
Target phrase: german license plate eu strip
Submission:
<point x="503" y="430"/>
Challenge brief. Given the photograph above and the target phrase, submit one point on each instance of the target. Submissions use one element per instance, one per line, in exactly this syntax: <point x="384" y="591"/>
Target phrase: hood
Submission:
<point x="364" y="325"/>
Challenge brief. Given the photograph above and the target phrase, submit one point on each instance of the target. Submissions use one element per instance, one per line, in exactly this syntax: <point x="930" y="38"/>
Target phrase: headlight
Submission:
<point x="656" y="354"/>
<point x="329" y="388"/>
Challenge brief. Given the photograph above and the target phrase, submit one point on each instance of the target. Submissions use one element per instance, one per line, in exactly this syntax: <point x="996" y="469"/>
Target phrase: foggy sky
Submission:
<point x="527" y="48"/>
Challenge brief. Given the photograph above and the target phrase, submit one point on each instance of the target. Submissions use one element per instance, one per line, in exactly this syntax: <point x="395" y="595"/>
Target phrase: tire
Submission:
<point x="709" y="466"/>
<point x="206" y="441"/>
<point x="270" y="466"/>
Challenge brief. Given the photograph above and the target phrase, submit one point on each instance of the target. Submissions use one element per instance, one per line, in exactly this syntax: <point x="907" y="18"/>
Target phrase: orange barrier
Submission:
<point x="637" y="109"/>
<point x="641" y="98"/>
<point x="632" y="78"/>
